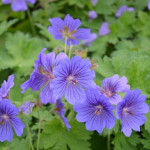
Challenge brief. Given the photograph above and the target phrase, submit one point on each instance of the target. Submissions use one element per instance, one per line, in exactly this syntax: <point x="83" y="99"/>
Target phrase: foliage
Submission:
<point x="125" y="51"/>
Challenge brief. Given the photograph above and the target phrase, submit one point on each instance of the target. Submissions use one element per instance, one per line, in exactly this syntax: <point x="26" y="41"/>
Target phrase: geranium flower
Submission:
<point x="96" y="112"/>
<point x="8" y="120"/>
<point x="19" y="5"/>
<point x="131" y="111"/>
<point x="71" y="78"/>
<point x="43" y="75"/>
<point x="68" y="29"/>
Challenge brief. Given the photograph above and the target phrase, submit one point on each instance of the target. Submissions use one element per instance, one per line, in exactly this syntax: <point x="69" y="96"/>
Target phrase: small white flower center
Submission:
<point x="72" y="79"/>
<point x="98" y="110"/>
<point x="127" y="111"/>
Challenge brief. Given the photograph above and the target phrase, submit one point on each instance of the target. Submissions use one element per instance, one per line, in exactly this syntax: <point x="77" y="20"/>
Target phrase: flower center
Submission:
<point x="66" y="32"/>
<point x="107" y="93"/>
<point x="72" y="79"/>
<point x="49" y="75"/>
<point x="125" y="110"/>
<point x="98" y="110"/>
<point x="4" y="117"/>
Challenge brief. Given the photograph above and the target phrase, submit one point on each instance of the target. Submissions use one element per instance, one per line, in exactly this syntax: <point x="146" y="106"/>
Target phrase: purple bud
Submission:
<point x="93" y="37"/>
<point x="92" y="15"/>
<point x="94" y="2"/>
<point x="122" y="9"/>
<point x="104" y="29"/>
<point x="148" y="5"/>
<point x="27" y="107"/>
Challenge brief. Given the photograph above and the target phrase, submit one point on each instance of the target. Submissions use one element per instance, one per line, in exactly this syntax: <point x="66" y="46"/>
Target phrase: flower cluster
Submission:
<point x="59" y="76"/>
<point x="74" y="79"/>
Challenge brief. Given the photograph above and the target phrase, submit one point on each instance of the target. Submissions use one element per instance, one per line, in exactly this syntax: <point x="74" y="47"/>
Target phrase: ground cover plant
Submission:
<point x="74" y="75"/>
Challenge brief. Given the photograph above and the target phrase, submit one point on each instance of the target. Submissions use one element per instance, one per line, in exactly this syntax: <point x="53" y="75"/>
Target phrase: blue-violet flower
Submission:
<point x="59" y="108"/>
<point x="68" y="30"/>
<point x="71" y="78"/>
<point x="6" y="86"/>
<point x="131" y="111"/>
<point x="96" y="112"/>
<point x="8" y="120"/>
<point x="19" y="5"/>
<point x="43" y="75"/>
<point x="113" y="85"/>
<point x="122" y="9"/>
<point x="104" y="29"/>
<point x="27" y="107"/>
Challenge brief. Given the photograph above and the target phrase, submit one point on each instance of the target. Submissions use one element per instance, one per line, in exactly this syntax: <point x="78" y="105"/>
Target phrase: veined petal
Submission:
<point x="6" y="132"/>
<point x="46" y="95"/>
<point x="82" y="34"/>
<point x="58" y="85"/>
<point x="17" y="125"/>
<point x="61" y="56"/>
<point x="74" y="94"/>
<point x="71" y="24"/>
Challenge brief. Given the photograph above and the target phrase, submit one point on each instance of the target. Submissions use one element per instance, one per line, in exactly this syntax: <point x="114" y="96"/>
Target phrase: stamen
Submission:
<point x="72" y="79"/>
<point x="107" y="93"/>
<point x="125" y="110"/>
<point x="98" y="110"/>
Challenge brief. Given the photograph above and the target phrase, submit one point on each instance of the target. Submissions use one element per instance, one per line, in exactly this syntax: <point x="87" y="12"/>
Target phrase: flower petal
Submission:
<point x="46" y="95"/>
<point x="17" y="125"/>
<point x="19" y="5"/>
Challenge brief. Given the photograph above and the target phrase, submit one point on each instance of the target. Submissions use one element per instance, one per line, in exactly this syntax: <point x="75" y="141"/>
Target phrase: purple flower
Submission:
<point x="96" y="111"/>
<point x="68" y="29"/>
<point x="43" y="75"/>
<point x="131" y="111"/>
<point x="93" y="37"/>
<point x="92" y="15"/>
<point x="111" y="86"/>
<point x="27" y="107"/>
<point x="104" y="29"/>
<point x="94" y="2"/>
<point x="6" y="86"/>
<point x="122" y="9"/>
<point x="59" y="108"/>
<point x="8" y="120"/>
<point x="72" y="76"/>
<point x="148" y="5"/>
<point x="18" y="5"/>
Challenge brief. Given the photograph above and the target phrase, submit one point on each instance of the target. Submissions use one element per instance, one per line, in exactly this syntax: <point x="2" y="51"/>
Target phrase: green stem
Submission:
<point x="39" y="132"/>
<point x="40" y="124"/>
<point x="31" y="22"/>
<point x="29" y="134"/>
<point x="65" y="45"/>
<point x="108" y="140"/>
<point x="70" y="51"/>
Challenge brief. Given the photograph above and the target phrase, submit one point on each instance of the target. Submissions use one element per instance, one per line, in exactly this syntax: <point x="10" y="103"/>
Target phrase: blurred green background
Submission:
<point x="125" y="51"/>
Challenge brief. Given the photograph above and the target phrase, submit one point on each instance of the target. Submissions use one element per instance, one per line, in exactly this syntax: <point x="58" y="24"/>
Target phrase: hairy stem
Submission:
<point x="31" y="22"/>
<point x="65" y="50"/>
<point x="39" y="132"/>
<point x="29" y="134"/>
<point x="70" y="49"/>
<point x="40" y="124"/>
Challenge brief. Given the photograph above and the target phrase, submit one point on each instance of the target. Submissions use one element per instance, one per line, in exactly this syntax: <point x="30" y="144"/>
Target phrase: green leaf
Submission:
<point x="125" y="143"/>
<point x="19" y="144"/>
<point x="22" y="52"/>
<point x="147" y="123"/>
<point x="60" y="138"/>
<point x="5" y="25"/>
